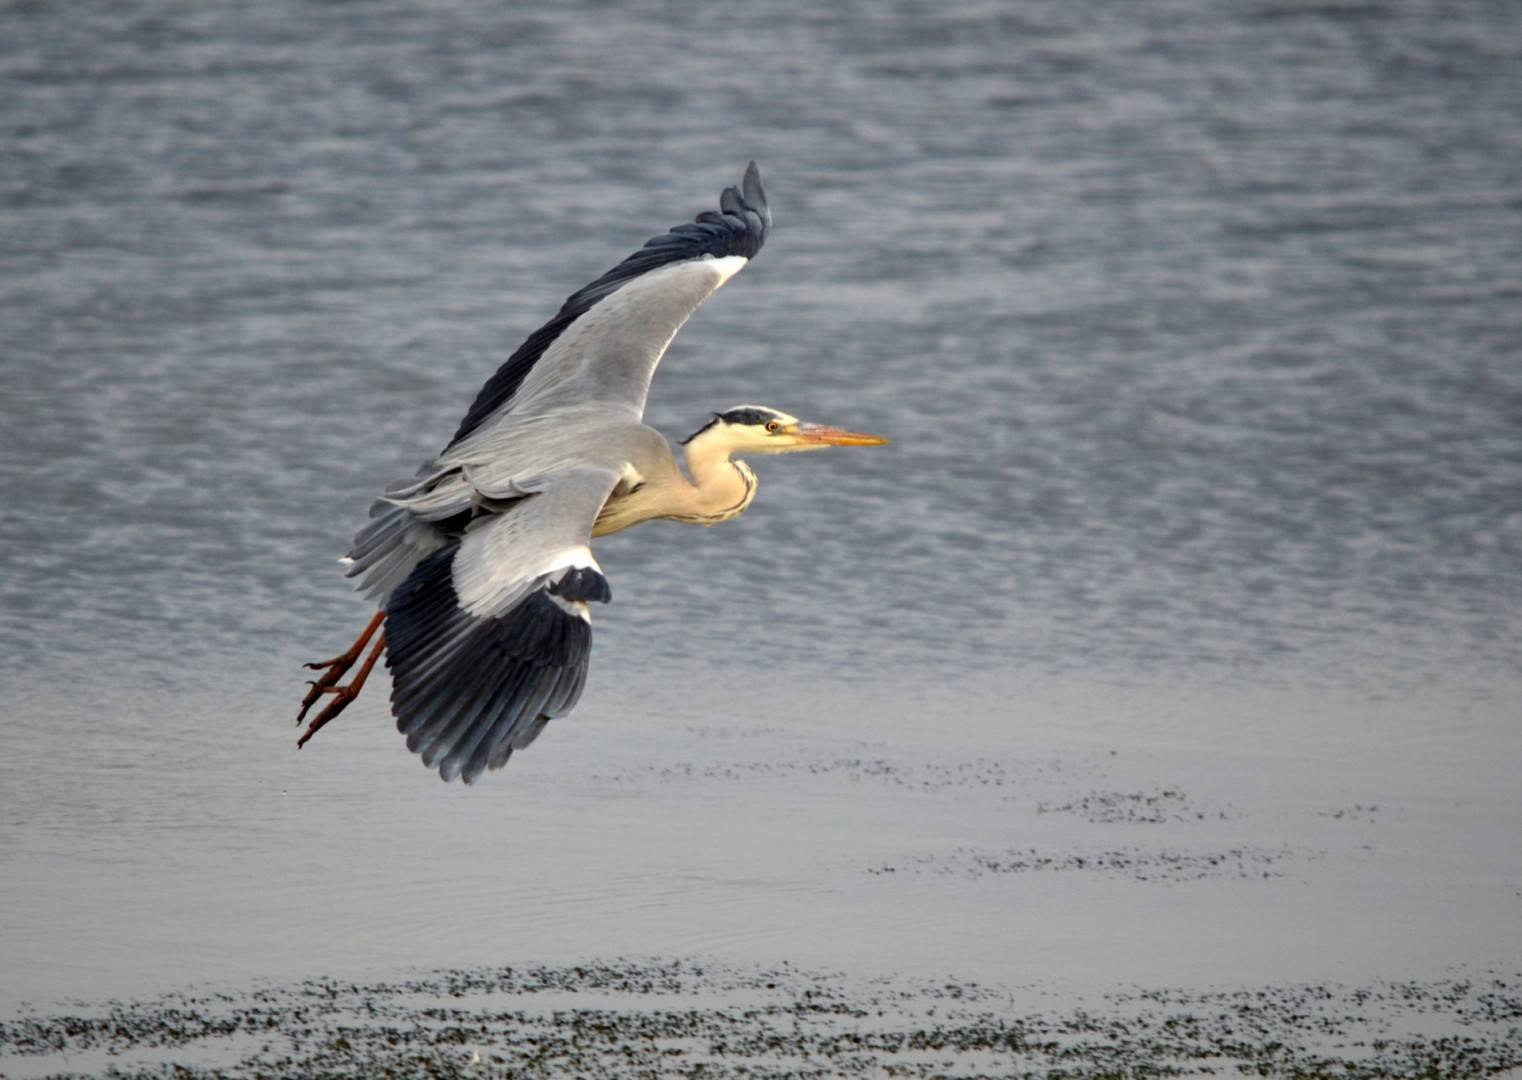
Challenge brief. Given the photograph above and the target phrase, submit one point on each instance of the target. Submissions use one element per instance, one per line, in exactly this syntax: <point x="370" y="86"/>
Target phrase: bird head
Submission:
<point x="758" y="429"/>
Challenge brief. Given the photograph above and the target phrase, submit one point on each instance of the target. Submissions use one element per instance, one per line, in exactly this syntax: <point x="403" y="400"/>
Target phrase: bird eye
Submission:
<point x="772" y="427"/>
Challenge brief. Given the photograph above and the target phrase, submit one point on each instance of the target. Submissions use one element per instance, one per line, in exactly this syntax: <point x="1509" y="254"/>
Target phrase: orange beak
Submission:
<point x="831" y="436"/>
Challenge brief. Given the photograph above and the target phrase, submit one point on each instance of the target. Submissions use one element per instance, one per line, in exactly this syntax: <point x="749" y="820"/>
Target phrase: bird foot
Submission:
<point x="342" y="695"/>
<point x="337" y="668"/>
<point x="327" y="684"/>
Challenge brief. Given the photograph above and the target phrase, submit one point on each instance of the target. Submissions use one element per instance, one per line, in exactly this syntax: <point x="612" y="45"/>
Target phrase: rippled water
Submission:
<point x="1195" y="326"/>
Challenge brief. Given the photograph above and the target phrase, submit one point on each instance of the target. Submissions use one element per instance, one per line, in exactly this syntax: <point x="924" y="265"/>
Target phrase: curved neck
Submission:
<point x="721" y="488"/>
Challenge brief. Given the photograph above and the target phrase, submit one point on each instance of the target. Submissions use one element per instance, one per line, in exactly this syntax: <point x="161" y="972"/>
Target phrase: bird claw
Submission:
<point x="319" y="688"/>
<point x="324" y="685"/>
<point x="340" y="702"/>
<point x="346" y="659"/>
<point x="327" y="683"/>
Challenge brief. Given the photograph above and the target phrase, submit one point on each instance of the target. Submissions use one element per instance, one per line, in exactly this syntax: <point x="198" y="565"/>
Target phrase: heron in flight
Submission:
<point x="481" y="565"/>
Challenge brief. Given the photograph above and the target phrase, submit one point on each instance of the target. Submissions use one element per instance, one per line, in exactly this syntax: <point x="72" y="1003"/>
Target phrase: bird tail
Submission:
<point x="388" y="547"/>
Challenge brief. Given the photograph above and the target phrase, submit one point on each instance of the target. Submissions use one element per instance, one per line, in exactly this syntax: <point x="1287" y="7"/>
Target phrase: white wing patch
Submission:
<point x="505" y="556"/>
<point x="577" y="608"/>
<point x="727" y="266"/>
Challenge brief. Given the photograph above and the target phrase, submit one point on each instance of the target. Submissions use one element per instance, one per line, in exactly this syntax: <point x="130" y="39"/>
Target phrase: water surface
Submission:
<point x="1195" y="326"/>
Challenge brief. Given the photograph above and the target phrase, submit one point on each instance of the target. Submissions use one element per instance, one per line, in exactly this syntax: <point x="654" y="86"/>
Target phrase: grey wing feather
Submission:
<point x="389" y="546"/>
<point x="737" y="230"/>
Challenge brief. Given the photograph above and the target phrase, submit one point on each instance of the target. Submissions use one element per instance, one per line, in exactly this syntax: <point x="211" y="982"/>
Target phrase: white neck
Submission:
<point x="721" y="488"/>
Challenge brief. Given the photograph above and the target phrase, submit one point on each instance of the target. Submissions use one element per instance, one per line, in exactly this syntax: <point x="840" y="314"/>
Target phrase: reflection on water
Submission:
<point x="1194" y="325"/>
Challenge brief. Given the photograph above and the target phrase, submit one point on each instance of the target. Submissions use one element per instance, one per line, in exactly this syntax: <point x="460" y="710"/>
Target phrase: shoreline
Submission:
<point x="640" y="1017"/>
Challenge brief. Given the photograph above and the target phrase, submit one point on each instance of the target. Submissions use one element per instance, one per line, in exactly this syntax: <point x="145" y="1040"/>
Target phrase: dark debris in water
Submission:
<point x="1362" y="812"/>
<point x="692" y="1019"/>
<point x="1135" y="807"/>
<point x="1138" y="864"/>
<point x="979" y="774"/>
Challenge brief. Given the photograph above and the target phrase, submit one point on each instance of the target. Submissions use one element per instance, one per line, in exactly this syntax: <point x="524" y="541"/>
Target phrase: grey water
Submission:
<point x="1197" y="329"/>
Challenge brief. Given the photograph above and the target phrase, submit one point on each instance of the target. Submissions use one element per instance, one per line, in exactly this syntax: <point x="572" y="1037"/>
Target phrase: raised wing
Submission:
<point x="608" y="337"/>
<point x="488" y="639"/>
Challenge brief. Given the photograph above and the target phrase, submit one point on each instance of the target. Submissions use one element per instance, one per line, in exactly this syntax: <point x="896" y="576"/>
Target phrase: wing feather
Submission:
<point x="736" y="231"/>
<point x="489" y="638"/>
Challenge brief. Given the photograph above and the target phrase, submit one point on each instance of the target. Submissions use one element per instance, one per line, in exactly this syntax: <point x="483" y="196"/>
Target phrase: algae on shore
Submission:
<point x="690" y="1018"/>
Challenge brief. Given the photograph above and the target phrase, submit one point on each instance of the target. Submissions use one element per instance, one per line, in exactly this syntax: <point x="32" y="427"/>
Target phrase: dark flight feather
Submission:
<point x="467" y="690"/>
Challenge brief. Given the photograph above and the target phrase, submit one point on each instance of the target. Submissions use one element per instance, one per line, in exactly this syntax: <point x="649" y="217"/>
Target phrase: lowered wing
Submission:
<point x="488" y="638"/>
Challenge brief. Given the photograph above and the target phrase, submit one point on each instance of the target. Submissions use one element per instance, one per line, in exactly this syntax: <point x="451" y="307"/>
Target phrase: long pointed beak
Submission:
<point x="833" y="436"/>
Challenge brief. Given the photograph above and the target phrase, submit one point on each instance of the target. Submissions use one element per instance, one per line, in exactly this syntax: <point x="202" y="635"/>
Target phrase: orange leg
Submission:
<point x="337" y="667"/>
<point x="342" y="695"/>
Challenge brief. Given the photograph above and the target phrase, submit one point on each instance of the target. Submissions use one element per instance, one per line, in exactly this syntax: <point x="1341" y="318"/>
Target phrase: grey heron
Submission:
<point x="481" y="565"/>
